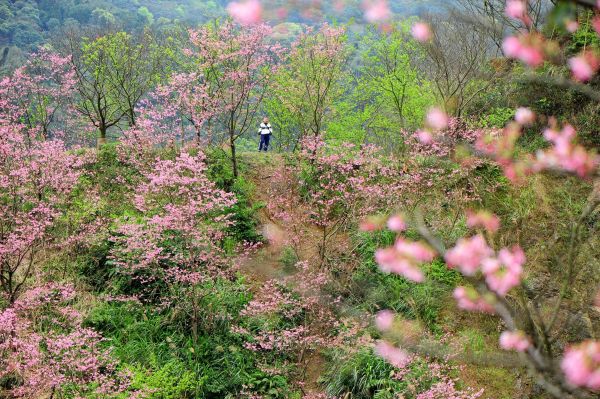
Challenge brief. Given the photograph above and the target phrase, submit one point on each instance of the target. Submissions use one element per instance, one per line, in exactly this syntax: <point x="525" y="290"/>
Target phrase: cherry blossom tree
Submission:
<point x="237" y="64"/>
<point x="37" y="94"/>
<point x="495" y="276"/>
<point x="174" y="247"/>
<point x="46" y="350"/>
<point x="36" y="178"/>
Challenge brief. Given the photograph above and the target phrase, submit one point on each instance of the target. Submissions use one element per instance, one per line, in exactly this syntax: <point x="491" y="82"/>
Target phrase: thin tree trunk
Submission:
<point x="233" y="156"/>
<point x="102" y="139"/>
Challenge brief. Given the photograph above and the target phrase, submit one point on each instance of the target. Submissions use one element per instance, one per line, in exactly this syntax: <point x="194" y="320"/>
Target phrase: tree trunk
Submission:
<point x="233" y="157"/>
<point x="102" y="139"/>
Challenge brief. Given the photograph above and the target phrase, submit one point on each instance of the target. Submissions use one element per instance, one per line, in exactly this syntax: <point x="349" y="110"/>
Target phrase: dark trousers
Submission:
<point x="264" y="142"/>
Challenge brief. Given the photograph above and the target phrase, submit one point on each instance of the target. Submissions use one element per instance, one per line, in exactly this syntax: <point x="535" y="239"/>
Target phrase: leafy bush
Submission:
<point x="159" y="348"/>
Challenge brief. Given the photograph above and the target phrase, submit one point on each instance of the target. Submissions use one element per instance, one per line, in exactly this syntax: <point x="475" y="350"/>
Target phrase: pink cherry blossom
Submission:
<point x="384" y="320"/>
<point x="565" y="155"/>
<point x="245" y="12"/>
<point x="468" y="299"/>
<point x="524" y="116"/>
<point x="584" y="66"/>
<point x="504" y="273"/>
<point x="421" y="32"/>
<point x="596" y="24"/>
<point x="376" y="10"/>
<point x="396" y="223"/>
<point x="512" y="47"/>
<point x="517" y="9"/>
<point x="468" y="254"/>
<point x="395" y="356"/>
<point x="484" y="219"/>
<point x="390" y="260"/>
<point x="527" y="49"/>
<point x="514" y="340"/>
<point x="572" y="26"/>
<point x="424" y="137"/>
<point x="581" y="365"/>
<point x="404" y="258"/>
<point x="437" y="119"/>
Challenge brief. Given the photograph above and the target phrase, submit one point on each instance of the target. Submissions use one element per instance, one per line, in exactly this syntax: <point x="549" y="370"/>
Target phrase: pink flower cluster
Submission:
<point x="517" y="9"/>
<point x="43" y="341"/>
<point x="528" y="48"/>
<point x="514" y="340"/>
<point x="584" y="66"/>
<point x="469" y="299"/>
<point x="178" y="201"/>
<point x="395" y="356"/>
<point x="36" y="178"/>
<point x="421" y="32"/>
<point x="468" y="254"/>
<point x="291" y="315"/>
<point x="565" y="154"/>
<point x="581" y="365"/>
<point x="245" y="12"/>
<point x="484" y="219"/>
<point x="376" y="10"/>
<point x="502" y="272"/>
<point x="404" y="258"/>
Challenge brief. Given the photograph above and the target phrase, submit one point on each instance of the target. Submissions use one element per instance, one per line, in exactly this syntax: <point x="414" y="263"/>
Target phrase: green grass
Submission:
<point x="375" y="290"/>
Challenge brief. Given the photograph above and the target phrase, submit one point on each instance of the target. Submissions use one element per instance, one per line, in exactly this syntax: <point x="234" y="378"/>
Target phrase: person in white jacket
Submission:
<point x="265" y="130"/>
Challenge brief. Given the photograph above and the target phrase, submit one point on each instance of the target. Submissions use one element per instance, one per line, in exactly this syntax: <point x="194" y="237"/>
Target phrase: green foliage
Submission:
<point x="498" y="117"/>
<point x="244" y="211"/>
<point x="376" y="290"/>
<point x="364" y="375"/>
<point x="288" y="259"/>
<point x="169" y="381"/>
<point x="114" y="180"/>
<point x="156" y="345"/>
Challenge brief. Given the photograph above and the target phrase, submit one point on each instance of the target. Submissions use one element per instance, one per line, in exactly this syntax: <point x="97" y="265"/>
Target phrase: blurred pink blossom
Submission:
<point x="404" y="258"/>
<point x="524" y="116"/>
<point x="424" y="137"/>
<point x="484" y="219"/>
<point x="376" y="10"/>
<point x="572" y="26"/>
<point x="581" y="365"/>
<point x="584" y="66"/>
<point x="437" y="119"/>
<point x="421" y="32"/>
<point x="468" y="254"/>
<point x="514" y="340"/>
<point x="396" y="223"/>
<point x="565" y="154"/>
<point x="384" y="320"/>
<point x="395" y="356"/>
<point x="530" y="54"/>
<point x="245" y="12"/>
<point x="517" y="9"/>
<point x="469" y="299"/>
<point x="504" y="272"/>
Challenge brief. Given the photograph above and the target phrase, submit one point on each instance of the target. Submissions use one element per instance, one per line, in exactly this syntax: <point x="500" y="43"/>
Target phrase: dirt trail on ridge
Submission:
<point x="266" y="263"/>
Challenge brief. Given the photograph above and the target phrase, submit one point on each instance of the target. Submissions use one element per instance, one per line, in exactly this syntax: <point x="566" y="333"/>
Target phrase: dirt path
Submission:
<point x="266" y="264"/>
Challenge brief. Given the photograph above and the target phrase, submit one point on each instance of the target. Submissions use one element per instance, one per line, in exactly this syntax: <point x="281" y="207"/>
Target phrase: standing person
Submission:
<point x="265" y="130"/>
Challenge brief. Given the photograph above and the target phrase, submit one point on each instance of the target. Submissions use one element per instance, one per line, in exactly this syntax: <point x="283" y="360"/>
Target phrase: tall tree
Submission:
<point x="309" y="83"/>
<point x="458" y="63"/>
<point x="238" y="64"/>
<point x="113" y="73"/>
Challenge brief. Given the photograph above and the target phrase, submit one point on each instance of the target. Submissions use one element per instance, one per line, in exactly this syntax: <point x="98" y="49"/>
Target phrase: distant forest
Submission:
<point x="27" y="24"/>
